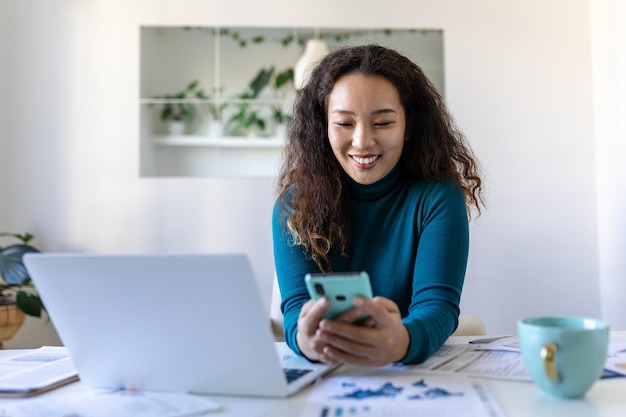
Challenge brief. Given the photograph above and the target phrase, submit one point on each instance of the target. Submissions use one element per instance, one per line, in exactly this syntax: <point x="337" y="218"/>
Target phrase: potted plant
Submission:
<point x="17" y="293"/>
<point x="15" y="283"/>
<point x="246" y="121"/>
<point x="214" y="110"/>
<point x="178" y="113"/>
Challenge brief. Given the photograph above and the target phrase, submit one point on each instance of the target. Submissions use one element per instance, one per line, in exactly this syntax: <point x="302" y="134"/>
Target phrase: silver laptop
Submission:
<point x="189" y="323"/>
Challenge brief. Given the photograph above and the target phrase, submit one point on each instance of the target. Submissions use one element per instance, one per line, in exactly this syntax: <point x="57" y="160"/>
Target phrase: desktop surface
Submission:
<point x="517" y="399"/>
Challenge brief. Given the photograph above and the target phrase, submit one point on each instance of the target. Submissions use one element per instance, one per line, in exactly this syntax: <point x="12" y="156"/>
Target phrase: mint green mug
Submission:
<point x="565" y="356"/>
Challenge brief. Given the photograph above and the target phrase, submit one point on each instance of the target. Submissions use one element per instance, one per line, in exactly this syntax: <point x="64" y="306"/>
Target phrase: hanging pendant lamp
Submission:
<point x="314" y="51"/>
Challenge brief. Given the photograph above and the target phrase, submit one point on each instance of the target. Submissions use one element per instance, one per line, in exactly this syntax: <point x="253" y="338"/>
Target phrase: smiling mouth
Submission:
<point x="365" y="161"/>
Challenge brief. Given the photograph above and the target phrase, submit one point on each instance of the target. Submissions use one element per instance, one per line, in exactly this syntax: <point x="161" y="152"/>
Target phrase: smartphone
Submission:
<point x="339" y="288"/>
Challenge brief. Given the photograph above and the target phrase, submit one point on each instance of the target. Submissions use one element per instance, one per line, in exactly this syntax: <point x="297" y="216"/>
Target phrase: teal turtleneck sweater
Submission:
<point x="411" y="237"/>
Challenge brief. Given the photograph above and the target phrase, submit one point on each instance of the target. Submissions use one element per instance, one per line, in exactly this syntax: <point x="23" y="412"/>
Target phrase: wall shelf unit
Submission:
<point x="224" y="142"/>
<point x="242" y="77"/>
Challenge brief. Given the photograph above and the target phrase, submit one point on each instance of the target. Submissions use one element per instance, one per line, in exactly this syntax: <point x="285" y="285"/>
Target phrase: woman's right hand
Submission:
<point x="308" y="324"/>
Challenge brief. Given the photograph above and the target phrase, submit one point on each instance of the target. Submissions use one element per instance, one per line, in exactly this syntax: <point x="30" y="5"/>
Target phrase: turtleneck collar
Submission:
<point x="376" y="190"/>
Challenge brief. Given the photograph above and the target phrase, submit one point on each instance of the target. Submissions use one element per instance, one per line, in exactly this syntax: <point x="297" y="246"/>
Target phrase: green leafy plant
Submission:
<point x="182" y="111"/>
<point x="340" y="37"/>
<point x="215" y="109"/>
<point x="189" y="105"/>
<point x="247" y="118"/>
<point x="15" y="284"/>
<point x="280" y="82"/>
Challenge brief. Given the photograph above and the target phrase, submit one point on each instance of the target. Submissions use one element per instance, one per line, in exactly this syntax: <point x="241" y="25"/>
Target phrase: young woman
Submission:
<point x="375" y="178"/>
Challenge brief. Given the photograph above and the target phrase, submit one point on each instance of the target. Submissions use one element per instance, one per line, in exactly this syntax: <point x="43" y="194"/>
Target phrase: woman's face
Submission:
<point x="366" y="125"/>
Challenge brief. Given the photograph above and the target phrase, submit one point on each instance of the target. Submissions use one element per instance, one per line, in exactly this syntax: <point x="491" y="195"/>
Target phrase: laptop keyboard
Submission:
<point x="293" y="373"/>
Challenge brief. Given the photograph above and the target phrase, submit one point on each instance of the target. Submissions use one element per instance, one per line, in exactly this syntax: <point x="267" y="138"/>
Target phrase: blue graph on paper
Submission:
<point x="399" y="394"/>
<point x="420" y="391"/>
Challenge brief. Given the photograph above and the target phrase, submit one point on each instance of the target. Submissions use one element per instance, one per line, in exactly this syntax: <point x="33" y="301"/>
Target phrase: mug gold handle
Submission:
<point x="548" y="354"/>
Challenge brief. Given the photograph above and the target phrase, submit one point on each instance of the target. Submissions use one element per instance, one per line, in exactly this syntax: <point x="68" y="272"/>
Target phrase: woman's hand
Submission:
<point x="377" y="341"/>
<point x="308" y="325"/>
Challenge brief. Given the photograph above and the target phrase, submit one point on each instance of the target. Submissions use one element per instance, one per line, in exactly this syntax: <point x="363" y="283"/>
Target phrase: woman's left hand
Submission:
<point x="379" y="340"/>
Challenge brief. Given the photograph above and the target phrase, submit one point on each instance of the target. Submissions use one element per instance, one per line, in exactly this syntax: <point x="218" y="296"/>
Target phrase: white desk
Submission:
<point x="607" y="398"/>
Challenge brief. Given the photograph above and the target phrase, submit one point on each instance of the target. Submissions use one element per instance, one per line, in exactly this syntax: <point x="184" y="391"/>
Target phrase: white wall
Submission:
<point x="518" y="79"/>
<point x="609" y="59"/>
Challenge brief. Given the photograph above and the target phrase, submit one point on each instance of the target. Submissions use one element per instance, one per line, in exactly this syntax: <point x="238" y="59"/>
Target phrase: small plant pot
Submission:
<point x="175" y="128"/>
<point x="11" y="319"/>
<point x="216" y="130"/>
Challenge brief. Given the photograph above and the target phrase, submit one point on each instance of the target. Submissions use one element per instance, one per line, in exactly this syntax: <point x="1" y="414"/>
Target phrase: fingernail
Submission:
<point x="321" y="301"/>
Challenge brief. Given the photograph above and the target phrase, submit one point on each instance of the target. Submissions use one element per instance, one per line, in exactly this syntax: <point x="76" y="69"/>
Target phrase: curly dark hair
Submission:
<point x="311" y="181"/>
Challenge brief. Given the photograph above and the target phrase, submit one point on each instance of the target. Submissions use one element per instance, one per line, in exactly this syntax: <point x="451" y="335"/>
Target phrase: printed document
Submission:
<point x="400" y="393"/>
<point x="35" y="371"/>
<point x="122" y="403"/>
